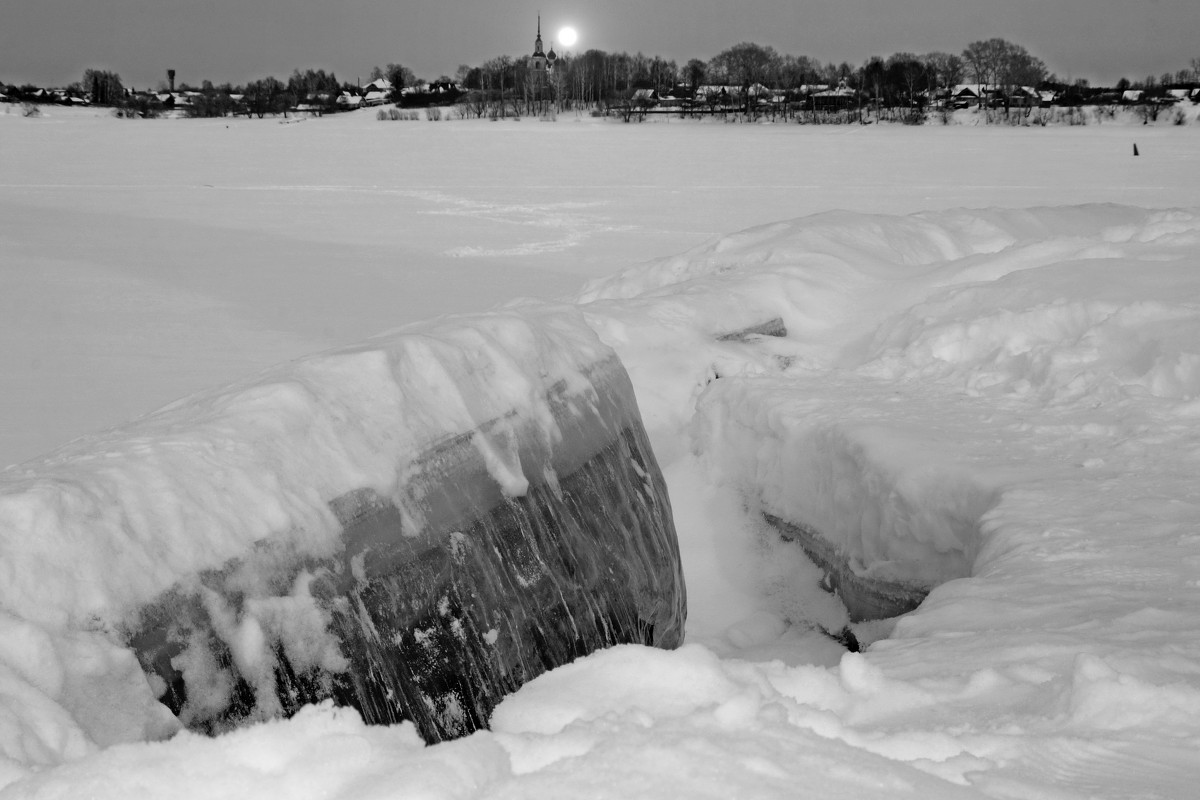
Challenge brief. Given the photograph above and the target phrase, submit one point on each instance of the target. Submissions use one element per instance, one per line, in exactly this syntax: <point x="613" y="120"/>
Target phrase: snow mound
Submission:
<point x="859" y="423"/>
<point x="1000" y="404"/>
<point x="223" y="537"/>
<point x="997" y="404"/>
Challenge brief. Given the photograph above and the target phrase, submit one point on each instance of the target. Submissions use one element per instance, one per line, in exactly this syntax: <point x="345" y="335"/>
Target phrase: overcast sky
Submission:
<point x="51" y="42"/>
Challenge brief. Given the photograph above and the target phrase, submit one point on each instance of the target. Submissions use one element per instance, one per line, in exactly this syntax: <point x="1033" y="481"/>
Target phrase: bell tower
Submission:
<point x="538" y="60"/>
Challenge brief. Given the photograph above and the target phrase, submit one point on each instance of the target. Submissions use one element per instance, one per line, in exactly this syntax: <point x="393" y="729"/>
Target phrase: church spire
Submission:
<point x="537" y="43"/>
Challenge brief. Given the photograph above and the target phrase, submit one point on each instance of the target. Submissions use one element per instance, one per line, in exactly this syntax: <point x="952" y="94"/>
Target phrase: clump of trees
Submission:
<point x="104" y="87"/>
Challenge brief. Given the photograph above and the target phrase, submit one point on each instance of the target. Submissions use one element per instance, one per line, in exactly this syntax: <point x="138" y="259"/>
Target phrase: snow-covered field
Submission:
<point x="991" y="382"/>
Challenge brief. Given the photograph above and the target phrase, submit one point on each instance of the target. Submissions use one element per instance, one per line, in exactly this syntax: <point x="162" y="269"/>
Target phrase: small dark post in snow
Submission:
<point x="1135" y="152"/>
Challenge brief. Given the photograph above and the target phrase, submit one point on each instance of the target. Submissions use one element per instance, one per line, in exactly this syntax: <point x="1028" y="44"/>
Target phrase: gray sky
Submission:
<point x="51" y="42"/>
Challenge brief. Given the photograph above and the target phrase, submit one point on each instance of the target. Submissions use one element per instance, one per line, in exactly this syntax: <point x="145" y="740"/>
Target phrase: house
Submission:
<point x="833" y="99"/>
<point x="762" y="94"/>
<point x="1132" y="96"/>
<point x="1178" y="95"/>
<point x="645" y="97"/>
<point x="1025" y="97"/>
<point x="970" y="94"/>
<point x="673" y="99"/>
<point x="377" y="92"/>
<point x="349" y="101"/>
<point x="717" y="95"/>
<point x="378" y="85"/>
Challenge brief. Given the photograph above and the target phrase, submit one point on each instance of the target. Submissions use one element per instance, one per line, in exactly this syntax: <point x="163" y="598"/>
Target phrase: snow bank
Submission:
<point x="236" y="539"/>
<point x="322" y="752"/>
<point x="112" y="520"/>
<point x="998" y="404"/>
<point x="1053" y="307"/>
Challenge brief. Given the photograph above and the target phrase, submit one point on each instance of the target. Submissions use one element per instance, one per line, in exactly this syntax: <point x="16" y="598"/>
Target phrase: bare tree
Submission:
<point x="400" y="77"/>
<point x="946" y="69"/>
<point x="982" y="60"/>
<point x="907" y="72"/>
<point x="747" y="64"/>
<point x="1002" y="65"/>
<point x="105" y="87"/>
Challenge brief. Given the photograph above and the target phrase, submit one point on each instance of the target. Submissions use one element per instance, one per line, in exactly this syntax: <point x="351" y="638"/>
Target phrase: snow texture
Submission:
<point x="368" y="524"/>
<point x="998" y="402"/>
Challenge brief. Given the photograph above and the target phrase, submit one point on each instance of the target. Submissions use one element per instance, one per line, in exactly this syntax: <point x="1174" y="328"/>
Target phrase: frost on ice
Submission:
<point x="414" y="526"/>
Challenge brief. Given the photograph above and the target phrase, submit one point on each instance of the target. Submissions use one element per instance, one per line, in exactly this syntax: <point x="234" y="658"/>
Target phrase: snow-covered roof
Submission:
<point x="378" y="85"/>
<point x="972" y="90"/>
<point x="841" y="91"/>
<point x="1132" y="95"/>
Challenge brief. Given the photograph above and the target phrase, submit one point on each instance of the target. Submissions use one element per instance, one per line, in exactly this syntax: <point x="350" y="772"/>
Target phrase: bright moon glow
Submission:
<point x="567" y="37"/>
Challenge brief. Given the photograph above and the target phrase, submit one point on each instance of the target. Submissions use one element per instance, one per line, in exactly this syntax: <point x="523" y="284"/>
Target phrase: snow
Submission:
<point x="123" y="515"/>
<point x="989" y="385"/>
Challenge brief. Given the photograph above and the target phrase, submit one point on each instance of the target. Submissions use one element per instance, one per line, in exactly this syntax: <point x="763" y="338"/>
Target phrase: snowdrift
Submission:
<point x="994" y="409"/>
<point x="415" y="527"/>
<point x="1046" y="306"/>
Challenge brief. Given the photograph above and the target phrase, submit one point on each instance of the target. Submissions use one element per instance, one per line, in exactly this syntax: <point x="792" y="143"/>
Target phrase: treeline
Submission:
<point x="747" y="74"/>
<point x="311" y="89"/>
<point x="595" y="78"/>
<point x="904" y="79"/>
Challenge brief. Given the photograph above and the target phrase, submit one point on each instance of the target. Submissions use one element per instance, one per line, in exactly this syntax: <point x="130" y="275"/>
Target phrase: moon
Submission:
<point x="567" y="37"/>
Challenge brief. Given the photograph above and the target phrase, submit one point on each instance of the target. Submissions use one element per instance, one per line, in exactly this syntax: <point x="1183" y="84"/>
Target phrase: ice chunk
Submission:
<point x="414" y="526"/>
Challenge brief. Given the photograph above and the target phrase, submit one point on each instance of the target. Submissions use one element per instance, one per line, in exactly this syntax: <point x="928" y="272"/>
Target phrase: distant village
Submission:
<point x="993" y="75"/>
<point x="260" y="97"/>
